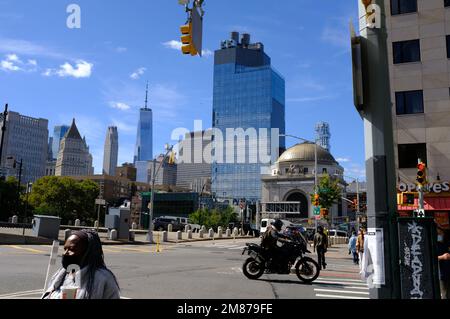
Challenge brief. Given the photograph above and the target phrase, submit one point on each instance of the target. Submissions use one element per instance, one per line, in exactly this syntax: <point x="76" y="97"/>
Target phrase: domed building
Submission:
<point x="292" y="179"/>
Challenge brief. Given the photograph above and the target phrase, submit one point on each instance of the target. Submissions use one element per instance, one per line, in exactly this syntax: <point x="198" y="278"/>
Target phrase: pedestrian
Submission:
<point x="444" y="262"/>
<point x="352" y="248"/>
<point x="321" y="244"/>
<point x="360" y="244"/>
<point x="93" y="280"/>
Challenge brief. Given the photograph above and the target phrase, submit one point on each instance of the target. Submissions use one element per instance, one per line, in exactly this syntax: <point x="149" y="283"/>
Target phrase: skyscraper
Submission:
<point x="323" y="135"/>
<point x="73" y="157"/>
<point x="58" y="134"/>
<point x="144" y="139"/>
<point x="26" y="139"/>
<point x="248" y="94"/>
<point x="111" y="151"/>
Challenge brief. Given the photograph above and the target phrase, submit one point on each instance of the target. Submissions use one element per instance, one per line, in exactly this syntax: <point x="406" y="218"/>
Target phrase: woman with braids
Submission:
<point x="83" y="249"/>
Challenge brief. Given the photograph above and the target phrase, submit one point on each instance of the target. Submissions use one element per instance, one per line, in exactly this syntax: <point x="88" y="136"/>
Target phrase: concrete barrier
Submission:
<point x="179" y="235"/>
<point x="201" y="233"/>
<point x="15" y="219"/>
<point x="228" y="232"/>
<point x="235" y="231"/>
<point x="164" y="236"/>
<point x="113" y="235"/>
<point x="186" y="228"/>
<point x="219" y="233"/>
<point x="77" y="223"/>
<point x="67" y="234"/>
<point x="170" y="228"/>
<point x="189" y="234"/>
<point x="211" y="233"/>
<point x="204" y="229"/>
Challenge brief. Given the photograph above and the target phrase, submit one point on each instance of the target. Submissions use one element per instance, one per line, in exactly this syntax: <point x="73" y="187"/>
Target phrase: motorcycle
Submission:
<point x="261" y="261"/>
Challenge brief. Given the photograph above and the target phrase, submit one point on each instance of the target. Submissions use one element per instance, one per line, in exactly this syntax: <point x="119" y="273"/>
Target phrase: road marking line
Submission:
<point x="342" y="291"/>
<point x="362" y="288"/>
<point x="27" y="249"/>
<point x="22" y="293"/>
<point x="338" y="282"/>
<point x="339" y="297"/>
<point x="124" y="297"/>
<point x="343" y="279"/>
<point x="111" y="251"/>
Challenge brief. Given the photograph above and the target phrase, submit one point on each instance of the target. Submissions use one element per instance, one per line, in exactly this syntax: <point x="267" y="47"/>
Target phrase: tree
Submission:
<point x="214" y="218"/>
<point x="329" y="192"/>
<point x="8" y="199"/>
<point x="65" y="197"/>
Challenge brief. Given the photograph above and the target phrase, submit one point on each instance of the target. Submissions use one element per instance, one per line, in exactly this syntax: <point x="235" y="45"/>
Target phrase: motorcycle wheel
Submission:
<point x="307" y="270"/>
<point x="252" y="269"/>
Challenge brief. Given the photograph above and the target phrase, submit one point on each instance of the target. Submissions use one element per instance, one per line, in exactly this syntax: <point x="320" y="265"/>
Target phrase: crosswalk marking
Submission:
<point x="342" y="291"/>
<point x="333" y="281"/>
<point x="343" y="279"/>
<point x="339" y="296"/>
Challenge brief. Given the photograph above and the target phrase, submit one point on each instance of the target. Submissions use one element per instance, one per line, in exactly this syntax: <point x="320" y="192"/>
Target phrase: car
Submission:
<point x="162" y="223"/>
<point x="337" y="233"/>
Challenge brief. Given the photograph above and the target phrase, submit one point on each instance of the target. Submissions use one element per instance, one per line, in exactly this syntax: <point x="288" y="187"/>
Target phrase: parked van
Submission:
<point x="264" y="223"/>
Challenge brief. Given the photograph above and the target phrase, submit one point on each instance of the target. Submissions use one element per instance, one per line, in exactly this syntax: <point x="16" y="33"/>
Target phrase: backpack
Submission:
<point x="268" y="241"/>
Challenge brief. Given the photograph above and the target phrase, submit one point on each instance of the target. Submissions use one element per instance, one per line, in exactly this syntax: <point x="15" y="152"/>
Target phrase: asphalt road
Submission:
<point x="197" y="270"/>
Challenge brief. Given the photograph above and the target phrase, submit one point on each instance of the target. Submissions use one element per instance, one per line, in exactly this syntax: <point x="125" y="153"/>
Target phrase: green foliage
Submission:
<point x="329" y="192"/>
<point x="8" y="199"/>
<point x="65" y="197"/>
<point x="214" y="218"/>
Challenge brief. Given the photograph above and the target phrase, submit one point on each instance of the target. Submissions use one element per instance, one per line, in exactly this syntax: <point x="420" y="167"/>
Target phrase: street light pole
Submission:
<point x="3" y="129"/>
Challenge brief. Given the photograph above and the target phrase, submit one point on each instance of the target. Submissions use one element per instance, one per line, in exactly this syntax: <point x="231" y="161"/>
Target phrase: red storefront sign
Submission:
<point x="430" y="204"/>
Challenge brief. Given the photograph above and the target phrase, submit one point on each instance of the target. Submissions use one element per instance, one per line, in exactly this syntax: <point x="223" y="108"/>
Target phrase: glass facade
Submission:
<point x="58" y="134"/>
<point x="144" y="139"/>
<point x="248" y="94"/>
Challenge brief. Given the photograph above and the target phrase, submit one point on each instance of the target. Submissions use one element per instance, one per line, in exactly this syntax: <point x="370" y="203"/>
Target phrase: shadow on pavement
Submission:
<point x="278" y="281"/>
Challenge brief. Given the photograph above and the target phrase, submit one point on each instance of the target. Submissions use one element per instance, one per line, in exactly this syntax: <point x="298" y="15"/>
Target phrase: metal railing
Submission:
<point x="15" y="225"/>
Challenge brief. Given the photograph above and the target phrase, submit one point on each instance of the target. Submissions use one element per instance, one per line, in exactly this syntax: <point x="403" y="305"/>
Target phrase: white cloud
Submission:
<point x="13" y="58"/>
<point x="207" y="53"/>
<point x="136" y="75"/>
<point x="176" y="45"/>
<point x="9" y="66"/>
<point x="12" y="63"/>
<point x="82" y="69"/>
<point x="119" y="106"/>
<point x="32" y="62"/>
<point x="343" y="159"/>
<point x="23" y="47"/>
<point x="121" y="50"/>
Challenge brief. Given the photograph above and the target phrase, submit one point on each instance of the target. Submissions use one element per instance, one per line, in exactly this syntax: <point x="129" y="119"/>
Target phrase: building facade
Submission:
<point x="292" y="180"/>
<point x="111" y="151"/>
<point x="58" y="134"/>
<point x="193" y="169"/>
<point x="127" y="170"/>
<point x="26" y="139"/>
<point x="74" y="158"/>
<point x="323" y="135"/>
<point x="419" y="49"/>
<point x="248" y="100"/>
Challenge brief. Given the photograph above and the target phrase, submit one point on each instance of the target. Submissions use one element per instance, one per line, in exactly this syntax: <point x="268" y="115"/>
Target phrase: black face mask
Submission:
<point x="70" y="260"/>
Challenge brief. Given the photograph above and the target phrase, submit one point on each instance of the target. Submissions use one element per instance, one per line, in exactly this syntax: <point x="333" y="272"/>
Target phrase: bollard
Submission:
<point x="14" y="219"/>
<point x="170" y="228"/>
<point x="113" y="235"/>
<point x="70" y="223"/>
<point x="200" y="233"/>
<point x="228" y="232"/>
<point x="96" y="224"/>
<point x="189" y="234"/>
<point x="235" y="231"/>
<point x="77" y="222"/>
<point x="132" y="236"/>
<point x="186" y="228"/>
<point x="179" y="235"/>
<point x="134" y="226"/>
<point x="67" y="234"/>
<point x="219" y="233"/>
<point x="219" y="229"/>
<point x="211" y="233"/>
<point x="203" y="228"/>
<point x="164" y="236"/>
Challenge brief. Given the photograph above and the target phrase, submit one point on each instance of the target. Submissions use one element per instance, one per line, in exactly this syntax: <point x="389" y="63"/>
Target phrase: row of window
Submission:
<point x="409" y="51"/>
<point x="408" y="6"/>
<point x="409" y="153"/>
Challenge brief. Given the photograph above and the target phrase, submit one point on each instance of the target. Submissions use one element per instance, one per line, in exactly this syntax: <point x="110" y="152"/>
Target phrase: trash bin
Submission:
<point x="46" y="226"/>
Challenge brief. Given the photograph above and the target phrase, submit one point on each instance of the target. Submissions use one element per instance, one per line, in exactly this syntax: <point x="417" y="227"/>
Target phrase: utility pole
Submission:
<point x="373" y="101"/>
<point x="5" y="113"/>
<point x="18" y="186"/>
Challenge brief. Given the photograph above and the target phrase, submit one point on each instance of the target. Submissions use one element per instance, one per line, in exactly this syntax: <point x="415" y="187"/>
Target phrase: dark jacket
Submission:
<point x="444" y="265"/>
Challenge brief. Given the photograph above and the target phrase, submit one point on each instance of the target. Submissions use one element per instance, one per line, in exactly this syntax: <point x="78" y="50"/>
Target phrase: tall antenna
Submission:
<point x="146" y="97"/>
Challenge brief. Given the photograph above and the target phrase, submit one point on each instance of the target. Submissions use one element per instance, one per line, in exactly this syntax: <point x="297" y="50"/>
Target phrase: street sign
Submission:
<point x="316" y="210"/>
<point x="99" y="201"/>
<point x="420" y="213"/>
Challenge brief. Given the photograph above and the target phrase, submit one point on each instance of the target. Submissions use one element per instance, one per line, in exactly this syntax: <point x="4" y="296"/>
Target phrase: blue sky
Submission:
<point x="98" y="73"/>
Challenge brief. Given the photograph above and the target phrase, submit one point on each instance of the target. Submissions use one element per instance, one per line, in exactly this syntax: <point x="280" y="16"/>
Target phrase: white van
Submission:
<point x="264" y="223"/>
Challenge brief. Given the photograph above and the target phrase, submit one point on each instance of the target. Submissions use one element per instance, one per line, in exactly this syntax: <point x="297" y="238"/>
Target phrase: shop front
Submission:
<point x="436" y="202"/>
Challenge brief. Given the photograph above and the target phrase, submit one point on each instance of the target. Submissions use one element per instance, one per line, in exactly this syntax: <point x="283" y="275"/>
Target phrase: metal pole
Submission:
<point x="5" y="113"/>
<point x="315" y="177"/>
<point x="98" y="217"/>
<point x="379" y="146"/>
<point x="152" y="198"/>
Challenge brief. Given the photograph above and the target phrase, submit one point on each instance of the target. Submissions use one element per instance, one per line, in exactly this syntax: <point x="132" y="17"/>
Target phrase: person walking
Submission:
<point x="83" y="251"/>
<point x="352" y="248"/>
<point x="360" y="244"/>
<point x="321" y="244"/>
<point x="444" y="262"/>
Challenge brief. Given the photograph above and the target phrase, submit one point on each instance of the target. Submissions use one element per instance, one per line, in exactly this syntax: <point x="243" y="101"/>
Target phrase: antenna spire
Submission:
<point x="146" y="97"/>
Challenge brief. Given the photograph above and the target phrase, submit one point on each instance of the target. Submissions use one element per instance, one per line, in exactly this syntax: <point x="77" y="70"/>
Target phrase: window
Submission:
<point x="305" y="170"/>
<point x="448" y="45"/>
<point x="447" y="3"/>
<point x="409" y="102"/>
<point x="406" y="51"/>
<point x="324" y="171"/>
<point x="408" y="154"/>
<point x="403" y="6"/>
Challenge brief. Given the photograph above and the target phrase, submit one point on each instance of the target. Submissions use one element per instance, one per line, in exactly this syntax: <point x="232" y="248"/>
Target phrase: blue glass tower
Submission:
<point x="248" y="94"/>
<point x="58" y="134"/>
<point x="144" y="139"/>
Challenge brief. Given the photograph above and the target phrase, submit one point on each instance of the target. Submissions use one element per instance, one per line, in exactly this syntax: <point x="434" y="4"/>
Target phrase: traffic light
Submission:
<point x="355" y="205"/>
<point x="316" y="201"/>
<point x="421" y="174"/>
<point x="407" y="199"/>
<point x="172" y="158"/>
<point x="187" y="40"/>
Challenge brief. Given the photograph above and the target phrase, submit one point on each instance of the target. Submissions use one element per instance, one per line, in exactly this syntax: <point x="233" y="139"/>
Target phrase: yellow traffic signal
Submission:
<point x="172" y="158"/>
<point x="421" y="174"/>
<point x="316" y="201"/>
<point x="186" y="40"/>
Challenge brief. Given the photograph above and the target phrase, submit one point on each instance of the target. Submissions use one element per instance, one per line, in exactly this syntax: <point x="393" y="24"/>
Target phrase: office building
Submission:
<point x="144" y="138"/>
<point x="111" y="151"/>
<point x="323" y="135"/>
<point x="249" y="94"/>
<point x="58" y="134"/>
<point x="26" y="139"/>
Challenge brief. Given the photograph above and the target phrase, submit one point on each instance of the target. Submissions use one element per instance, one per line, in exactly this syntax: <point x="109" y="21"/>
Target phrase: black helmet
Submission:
<point x="278" y="224"/>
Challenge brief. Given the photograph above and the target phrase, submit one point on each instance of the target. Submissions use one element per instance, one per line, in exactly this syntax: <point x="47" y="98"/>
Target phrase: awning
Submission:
<point x="434" y="203"/>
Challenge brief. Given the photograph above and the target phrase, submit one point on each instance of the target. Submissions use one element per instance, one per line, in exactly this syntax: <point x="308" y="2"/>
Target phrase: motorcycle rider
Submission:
<point x="270" y="239"/>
